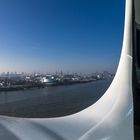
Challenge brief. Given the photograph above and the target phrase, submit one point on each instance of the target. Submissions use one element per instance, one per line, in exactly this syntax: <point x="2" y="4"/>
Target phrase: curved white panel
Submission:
<point x="110" y="118"/>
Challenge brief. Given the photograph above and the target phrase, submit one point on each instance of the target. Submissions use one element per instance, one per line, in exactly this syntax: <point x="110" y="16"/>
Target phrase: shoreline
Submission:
<point x="43" y="85"/>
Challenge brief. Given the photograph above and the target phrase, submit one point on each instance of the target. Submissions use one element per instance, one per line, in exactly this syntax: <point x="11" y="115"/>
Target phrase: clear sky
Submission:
<point x="70" y="35"/>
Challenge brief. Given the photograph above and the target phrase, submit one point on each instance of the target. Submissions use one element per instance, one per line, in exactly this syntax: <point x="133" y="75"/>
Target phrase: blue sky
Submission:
<point x="69" y="35"/>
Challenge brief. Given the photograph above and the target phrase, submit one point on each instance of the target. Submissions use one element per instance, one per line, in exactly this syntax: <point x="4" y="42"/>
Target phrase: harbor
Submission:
<point x="16" y="82"/>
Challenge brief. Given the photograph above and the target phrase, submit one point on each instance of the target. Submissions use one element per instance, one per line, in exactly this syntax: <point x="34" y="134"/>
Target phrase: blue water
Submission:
<point x="52" y="101"/>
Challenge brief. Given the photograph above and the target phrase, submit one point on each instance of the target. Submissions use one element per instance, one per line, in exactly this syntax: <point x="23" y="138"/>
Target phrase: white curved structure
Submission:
<point x="110" y="118"/>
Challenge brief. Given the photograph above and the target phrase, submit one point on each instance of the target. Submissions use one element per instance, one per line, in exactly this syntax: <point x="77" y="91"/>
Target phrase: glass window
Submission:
<point x="57" y="57"/>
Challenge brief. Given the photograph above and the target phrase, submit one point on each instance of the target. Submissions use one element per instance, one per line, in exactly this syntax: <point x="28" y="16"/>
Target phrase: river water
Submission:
<point x="52" y="101"/>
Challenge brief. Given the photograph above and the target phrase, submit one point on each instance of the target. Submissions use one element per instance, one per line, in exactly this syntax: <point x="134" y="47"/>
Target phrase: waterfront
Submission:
<point x="52" y="101"/>
<point x="23" y="81"/>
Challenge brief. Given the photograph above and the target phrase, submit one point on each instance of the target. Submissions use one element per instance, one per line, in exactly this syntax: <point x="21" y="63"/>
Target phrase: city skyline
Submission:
<point x="52" y="73"/>
<point x="49" y="36"/>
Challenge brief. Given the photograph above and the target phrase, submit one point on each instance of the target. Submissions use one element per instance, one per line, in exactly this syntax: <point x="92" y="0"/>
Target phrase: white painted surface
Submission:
<point x="110" y="118"/>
